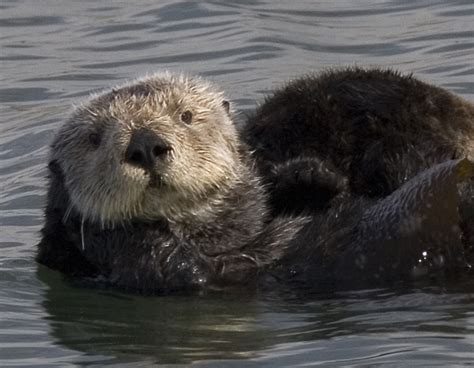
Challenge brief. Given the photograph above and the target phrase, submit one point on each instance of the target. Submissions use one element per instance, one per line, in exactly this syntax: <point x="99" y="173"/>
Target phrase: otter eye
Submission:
<point x="187" y="117"/>
<point x="95" y="139"/>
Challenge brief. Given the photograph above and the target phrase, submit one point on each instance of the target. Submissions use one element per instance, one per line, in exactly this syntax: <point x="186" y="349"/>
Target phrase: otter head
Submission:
<point x="164" y="147"/>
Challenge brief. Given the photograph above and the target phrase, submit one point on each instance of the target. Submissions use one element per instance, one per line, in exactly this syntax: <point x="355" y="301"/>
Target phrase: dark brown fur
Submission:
<point x="194" y="214"/>
<point x="375" y="128"/>
<point x="359" y="132"/>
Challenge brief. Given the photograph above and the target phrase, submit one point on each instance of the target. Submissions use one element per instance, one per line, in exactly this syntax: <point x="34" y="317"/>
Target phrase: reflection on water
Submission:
<point x="56" y="54"/>
<point x="282" y="327"/>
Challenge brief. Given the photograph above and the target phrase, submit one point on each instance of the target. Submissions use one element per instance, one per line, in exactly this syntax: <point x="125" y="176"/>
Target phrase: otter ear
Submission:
<point x="226" y="106"/>
<point x="54" y="168"/>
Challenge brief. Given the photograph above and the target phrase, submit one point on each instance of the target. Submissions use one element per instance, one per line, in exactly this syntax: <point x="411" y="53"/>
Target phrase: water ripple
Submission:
<point x="25" y="94"/>
<point x="31" y="21"/>
<point x="54" y="55"/>
<point x="187" y="57"/>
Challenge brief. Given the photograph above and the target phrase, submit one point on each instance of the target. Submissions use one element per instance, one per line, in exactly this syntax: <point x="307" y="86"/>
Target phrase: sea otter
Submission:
<point x="363" y="132"/>
<point x="152" y="190"/>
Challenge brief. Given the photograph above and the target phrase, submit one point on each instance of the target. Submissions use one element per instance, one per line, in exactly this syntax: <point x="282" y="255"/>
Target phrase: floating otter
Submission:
<point x="152" y="190"/>
<point x="363" y="132"/>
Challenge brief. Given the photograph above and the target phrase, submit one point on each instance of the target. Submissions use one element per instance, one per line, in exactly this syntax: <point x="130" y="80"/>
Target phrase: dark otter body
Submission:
<point x="152" y="256"/>
<point x="366" y="131"/>
<point x="358" y="132"/>
<point x="151" y="190"/>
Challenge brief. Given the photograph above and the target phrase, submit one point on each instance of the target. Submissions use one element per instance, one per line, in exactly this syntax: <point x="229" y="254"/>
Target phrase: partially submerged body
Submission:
<point x="358" y="132"/>
<point x="152" y="190"/>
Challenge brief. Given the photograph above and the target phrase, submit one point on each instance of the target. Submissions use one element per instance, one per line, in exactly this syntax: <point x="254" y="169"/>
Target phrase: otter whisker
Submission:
<point x="82" y="234"/>
<point x="246" y="256"/>
<point x="68" y="212"/>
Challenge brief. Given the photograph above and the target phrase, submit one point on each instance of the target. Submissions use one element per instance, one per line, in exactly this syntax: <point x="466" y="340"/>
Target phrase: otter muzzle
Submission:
<point x="145" y="148"/>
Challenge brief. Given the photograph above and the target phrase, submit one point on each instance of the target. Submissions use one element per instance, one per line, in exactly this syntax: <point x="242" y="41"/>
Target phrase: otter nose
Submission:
<point x="145" y="148"/>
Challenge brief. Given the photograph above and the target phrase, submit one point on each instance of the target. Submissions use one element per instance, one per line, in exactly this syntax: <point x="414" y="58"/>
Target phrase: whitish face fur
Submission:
<point x="201" y="159"/>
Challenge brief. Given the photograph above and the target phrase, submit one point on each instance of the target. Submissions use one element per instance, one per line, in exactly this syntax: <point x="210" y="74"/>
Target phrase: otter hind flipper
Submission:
<point x="416" y="230"/>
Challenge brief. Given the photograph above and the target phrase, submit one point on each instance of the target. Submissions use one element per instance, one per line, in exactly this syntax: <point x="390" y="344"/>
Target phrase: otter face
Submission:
<point x="164" y="147"/>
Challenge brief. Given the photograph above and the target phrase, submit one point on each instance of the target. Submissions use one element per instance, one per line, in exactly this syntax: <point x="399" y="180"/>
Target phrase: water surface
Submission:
<point x="54" y="54"/>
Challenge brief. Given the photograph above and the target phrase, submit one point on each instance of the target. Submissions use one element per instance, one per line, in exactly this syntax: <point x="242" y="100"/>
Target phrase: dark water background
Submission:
<point x="55" y="53"/>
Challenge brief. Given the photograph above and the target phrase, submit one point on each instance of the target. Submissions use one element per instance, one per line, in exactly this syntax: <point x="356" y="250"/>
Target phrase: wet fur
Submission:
<point x="159" y="256"/>
<point x="372" y="128"/>
<point x="205" y="223"/>
<point x="201" y="220"/>
<point x="355" y="131"/>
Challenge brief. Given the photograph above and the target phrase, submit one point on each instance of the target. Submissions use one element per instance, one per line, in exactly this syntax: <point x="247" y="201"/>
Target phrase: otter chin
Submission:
<point x="151" y="189"/>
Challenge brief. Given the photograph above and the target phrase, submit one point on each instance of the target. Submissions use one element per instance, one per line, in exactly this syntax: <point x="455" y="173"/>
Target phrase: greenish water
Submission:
<point x="54" y="54"/>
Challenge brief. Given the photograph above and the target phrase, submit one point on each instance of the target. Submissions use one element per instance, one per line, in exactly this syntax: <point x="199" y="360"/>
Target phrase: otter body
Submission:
<point x="152" y="190"/>
<point x="363" y="131"/>
<point x="358" y="132"/>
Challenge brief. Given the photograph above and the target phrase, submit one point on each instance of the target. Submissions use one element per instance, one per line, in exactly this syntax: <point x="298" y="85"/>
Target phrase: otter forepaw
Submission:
<point x="306" y="183"/>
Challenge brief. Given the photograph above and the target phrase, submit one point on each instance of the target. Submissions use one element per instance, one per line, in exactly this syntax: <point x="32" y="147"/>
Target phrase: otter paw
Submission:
<point x="305" y="183"/>
<point x="311" y="172"/>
